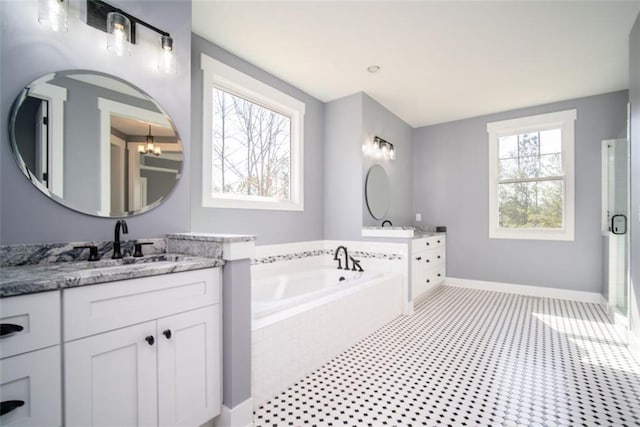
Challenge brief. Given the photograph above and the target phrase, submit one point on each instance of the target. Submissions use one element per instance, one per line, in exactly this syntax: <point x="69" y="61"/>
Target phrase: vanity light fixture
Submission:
<point x="384" y="148"/>
<point x="53" y="13"/>
<point x="118" y="34"/>
<point x="149" y="147"/>
<point x="121" y="29"/>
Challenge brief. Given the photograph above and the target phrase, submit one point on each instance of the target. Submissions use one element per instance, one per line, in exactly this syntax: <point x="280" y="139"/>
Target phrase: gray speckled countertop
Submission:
<point x="212" y="237"/>
<point x="422" y="234"/>
<point x="27" y="279"/>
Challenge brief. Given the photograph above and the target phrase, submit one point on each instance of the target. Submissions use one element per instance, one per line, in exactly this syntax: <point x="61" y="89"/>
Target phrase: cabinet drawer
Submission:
<point x="35" y="318"/>
<point x="428" y="243"/>
<point x="94" y="309"/>
<point x="32" y="381"/>
<point x="435" y="276"/>
<point x="432" y="257"/>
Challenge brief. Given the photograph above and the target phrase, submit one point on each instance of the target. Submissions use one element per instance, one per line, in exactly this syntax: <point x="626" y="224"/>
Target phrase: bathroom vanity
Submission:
<point x="428" y="263"/>
<point x="87" y="347"/>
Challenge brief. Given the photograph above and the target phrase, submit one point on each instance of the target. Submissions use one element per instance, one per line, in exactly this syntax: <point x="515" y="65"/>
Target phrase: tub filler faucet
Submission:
<point x="337" y="258"/>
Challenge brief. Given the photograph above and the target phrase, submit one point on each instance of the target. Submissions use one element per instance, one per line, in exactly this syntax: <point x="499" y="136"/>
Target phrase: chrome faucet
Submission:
<point x="120" y="224"/>
<point x="346" y="257"/>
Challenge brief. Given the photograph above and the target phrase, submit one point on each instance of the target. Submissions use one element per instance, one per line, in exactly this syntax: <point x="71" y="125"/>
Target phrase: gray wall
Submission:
<point x="378" y="121"/>
<point x="343" y="194"/>
<point x="269" y="226"/>
<point x="28" y="51"/>
<point x="451" y="188"/>
<point x="634" y="223"/>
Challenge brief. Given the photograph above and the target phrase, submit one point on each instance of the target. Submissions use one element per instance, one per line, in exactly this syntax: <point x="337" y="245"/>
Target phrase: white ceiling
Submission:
<point x="440" y="61"/>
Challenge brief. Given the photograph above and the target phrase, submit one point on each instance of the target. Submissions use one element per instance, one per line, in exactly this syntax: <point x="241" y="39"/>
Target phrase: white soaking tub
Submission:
<point x="303" y="319"/>
<point x="274" y="294"/>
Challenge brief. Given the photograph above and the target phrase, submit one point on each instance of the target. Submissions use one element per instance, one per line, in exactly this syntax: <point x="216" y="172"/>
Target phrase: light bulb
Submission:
<point x="141" y="149"/>
<point x="54" y="13"/>
<point x="118" y="34"/>
<point x="167" y="56"/>
<point x="157" y="151"/>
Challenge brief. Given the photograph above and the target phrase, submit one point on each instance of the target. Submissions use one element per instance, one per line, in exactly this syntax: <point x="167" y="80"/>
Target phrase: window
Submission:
<point x="252" y="142"/>
<point x="531" y="182"/>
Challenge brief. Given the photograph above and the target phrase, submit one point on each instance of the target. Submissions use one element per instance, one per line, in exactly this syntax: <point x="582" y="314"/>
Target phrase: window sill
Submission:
<point x="257" y="204"/>
<point x="523" y="234"/>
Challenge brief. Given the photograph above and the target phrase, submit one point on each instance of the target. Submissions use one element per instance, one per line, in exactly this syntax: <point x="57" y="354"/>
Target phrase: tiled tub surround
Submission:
<point x="291" y="343"/>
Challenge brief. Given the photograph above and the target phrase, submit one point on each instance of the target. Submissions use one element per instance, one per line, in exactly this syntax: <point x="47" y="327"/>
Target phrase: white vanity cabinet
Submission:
<point x="428" y="264"/>
<point x="30" y="380"/>
<point x="144" y="351"/>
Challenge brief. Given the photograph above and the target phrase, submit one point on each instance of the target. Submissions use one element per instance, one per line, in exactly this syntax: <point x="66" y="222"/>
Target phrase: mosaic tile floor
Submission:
<point x="469" y="357"/>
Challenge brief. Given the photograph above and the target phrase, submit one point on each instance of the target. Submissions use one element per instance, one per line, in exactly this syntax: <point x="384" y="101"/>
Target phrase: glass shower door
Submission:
<point x="616" y="173"/>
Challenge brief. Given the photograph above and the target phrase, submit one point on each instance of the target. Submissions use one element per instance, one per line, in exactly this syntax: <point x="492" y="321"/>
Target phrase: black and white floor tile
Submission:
<point x="469" y="357"/>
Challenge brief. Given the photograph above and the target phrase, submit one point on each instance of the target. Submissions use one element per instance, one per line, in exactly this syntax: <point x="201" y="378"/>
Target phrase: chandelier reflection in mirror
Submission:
<point x="149" y="147"/>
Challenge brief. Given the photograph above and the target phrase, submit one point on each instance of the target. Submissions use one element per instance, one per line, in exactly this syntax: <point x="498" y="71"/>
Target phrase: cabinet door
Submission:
<point x="31" y="387"/>
<point x="110" y="378"/>
<point x="189" y="367"/>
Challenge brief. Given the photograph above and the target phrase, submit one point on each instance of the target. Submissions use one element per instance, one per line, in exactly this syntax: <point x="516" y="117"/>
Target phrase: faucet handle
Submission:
<point x="356" y="264"/>
<point x="93" y="252"/>
<point x="137" y="248"/>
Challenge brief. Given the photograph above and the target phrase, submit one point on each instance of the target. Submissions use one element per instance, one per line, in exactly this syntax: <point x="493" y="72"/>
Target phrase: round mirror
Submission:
<point x="377" y="192"/>
<point x="95" y="143"/>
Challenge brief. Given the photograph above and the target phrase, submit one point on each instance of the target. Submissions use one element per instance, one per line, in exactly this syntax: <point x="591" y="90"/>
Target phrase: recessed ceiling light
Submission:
<point x="373" y="68"/>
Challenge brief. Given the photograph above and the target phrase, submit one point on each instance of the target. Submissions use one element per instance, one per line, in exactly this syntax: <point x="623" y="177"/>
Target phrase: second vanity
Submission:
<point x="113" y="342"/>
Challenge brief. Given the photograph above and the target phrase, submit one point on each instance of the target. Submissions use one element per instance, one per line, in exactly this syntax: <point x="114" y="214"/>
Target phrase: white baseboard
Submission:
<point x="535" y="291"/>
<point x="240" y="415"/>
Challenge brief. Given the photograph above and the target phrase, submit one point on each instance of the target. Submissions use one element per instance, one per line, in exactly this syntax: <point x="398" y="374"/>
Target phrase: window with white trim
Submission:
<point x="531" y="177"/>
<point x="252" y="142"/>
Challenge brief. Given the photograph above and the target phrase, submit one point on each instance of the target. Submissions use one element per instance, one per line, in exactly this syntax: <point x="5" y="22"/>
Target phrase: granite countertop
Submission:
<point x="419" y="234"/>
<point x="212" y="237"/>
<point x="25" y="279"/>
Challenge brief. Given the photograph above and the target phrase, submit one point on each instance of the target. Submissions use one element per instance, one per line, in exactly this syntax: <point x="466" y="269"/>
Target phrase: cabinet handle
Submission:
<point x="428" y="260"/>
<point x="438" y="256"/>
<point x="167" y="334"/>
<point x="150" y="340"/>
<point x="428" y="280"/>
<point x="438" y="274"/>
<point x="9" y="405"/>
<point x="419" y="258"/>
<point x="8" y="329"/>
<point x="438" y="241"/>
<point x="427" y="243"/>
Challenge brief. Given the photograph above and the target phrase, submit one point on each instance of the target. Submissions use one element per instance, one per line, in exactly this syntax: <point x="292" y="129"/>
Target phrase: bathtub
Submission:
<point x="303" y="319"/>
<point x="275" y="294"/>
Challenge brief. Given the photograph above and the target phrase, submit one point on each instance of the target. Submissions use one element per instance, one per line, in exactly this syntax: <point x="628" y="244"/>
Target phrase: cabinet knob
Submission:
<point x="438" y="256"/>
<point x="428" y="260"/>
<point x="438" y="274"/>
<point x="9" y="405"/>
<point x="150" y="340"/>
<point x="418" y="258"/>
<point x="428" y="281"/>
<point x="167" y="333"/>
<point x="438" y="241"/>
<point x="9" y="328"/>
<point x="427" y="243"/>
